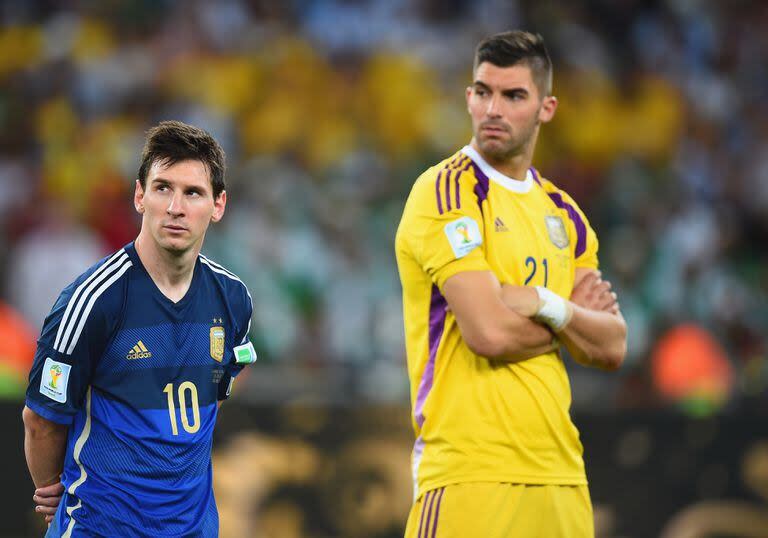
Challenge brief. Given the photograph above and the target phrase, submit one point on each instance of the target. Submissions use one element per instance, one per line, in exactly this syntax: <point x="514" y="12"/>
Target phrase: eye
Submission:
<point x="481" y="92"/>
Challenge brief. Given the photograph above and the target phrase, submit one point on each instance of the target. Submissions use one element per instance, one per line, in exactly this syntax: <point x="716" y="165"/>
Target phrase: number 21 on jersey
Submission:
<point x="532" y="267"/>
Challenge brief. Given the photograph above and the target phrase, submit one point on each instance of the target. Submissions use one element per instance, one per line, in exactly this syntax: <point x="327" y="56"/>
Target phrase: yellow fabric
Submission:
<point x="477" y="420"/>
<point x="496" y="510"/>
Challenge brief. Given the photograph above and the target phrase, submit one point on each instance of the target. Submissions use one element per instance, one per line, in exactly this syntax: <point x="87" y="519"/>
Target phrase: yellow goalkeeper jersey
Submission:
<point x="477" y="420"/>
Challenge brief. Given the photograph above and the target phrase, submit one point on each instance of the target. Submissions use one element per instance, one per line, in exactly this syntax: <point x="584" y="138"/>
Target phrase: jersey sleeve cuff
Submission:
<point x="461" y="265"/>
<point x="49" y="414"/>
<point x="587" y="264"/>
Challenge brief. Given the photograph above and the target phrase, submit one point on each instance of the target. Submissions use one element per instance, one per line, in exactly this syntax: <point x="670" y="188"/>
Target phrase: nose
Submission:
<point x="176" y="205"/>
<point x="493" y="110"/>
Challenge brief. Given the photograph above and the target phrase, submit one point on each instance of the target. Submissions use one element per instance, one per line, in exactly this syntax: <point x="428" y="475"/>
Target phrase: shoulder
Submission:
<point x="235" y="289"/>
<point x="560" y="198"/>
<point x="445" y="187"/>
<point x="95" y="281"/>
<point x="586" y="239"/>
<point x="95" y="294"/>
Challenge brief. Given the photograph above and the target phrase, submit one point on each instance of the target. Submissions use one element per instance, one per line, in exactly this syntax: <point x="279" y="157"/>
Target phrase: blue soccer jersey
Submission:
<point x="137" y="377"/>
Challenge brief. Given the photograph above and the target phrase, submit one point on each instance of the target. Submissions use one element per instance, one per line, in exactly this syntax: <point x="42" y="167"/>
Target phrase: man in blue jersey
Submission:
<point x="134" y="358"/>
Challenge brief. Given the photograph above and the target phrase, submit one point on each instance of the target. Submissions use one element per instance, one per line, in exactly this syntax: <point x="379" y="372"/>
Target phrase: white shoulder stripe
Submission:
<point x="127" y="265"/>
<point x="219" y="269"/>
<point x="69" y="322"/>
<point x="210" y="263"/>
<point x="73" y="301"/>
<point x="216" y="268"/>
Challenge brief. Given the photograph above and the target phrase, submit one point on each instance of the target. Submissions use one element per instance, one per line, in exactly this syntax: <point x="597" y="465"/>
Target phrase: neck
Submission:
<point x="170" y="271"/>
<point x="514" y="167"/>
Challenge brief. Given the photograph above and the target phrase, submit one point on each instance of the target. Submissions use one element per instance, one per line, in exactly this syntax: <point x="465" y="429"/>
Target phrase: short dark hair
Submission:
<point x="518" y="47"/>
<point x="170" y="142"/>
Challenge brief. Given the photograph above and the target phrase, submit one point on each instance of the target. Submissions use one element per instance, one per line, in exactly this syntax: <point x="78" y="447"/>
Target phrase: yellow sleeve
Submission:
<point x="443" y="225"/>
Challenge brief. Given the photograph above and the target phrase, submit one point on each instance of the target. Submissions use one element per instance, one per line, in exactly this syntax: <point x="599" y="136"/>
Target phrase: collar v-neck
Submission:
<point x="511" y="184"/>
<point x="181" y="303"/>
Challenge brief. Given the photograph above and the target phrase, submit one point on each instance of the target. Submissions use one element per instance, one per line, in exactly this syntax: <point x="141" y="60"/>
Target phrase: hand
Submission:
<point x="47" y="500"/>
<point x="594" y="293"/>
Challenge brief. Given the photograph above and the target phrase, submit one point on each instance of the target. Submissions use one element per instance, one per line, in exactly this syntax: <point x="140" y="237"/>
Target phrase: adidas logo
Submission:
<point x="500" y="226"/>
<point x="139" y="351"/>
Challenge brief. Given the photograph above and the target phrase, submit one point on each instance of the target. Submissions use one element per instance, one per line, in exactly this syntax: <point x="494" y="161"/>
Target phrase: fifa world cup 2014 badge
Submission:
<point x="217" y="343"/>
<point x="556" y="230"/>
<point x="55" y="375"/>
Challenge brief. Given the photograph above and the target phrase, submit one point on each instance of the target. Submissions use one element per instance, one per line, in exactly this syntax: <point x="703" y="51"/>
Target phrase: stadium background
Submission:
<point x="328" y="110"/>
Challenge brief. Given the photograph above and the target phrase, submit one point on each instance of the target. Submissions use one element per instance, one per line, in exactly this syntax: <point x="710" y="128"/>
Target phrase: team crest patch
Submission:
<point x="463" y="235"/>
<point x="217" y="343"/>
<point x="556" y="230"/>
<point x="54" y="380"/>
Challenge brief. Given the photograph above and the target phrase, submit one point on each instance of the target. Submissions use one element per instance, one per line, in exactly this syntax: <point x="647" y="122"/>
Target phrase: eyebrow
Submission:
<point x="481" y="84"/>
<point x="506" y="92"/>
<point x="163" y="181"/>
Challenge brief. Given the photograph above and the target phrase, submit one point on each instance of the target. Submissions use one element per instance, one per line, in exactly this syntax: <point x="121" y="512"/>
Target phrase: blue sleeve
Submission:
<point x="244" y="312"/>
<point x="73" y="337"/>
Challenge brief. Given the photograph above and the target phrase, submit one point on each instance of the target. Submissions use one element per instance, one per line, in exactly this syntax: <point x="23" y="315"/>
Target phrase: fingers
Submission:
<point x="46" y="501"/>
<point x="46" y="510"/>
<point x="54" y="490"/>
<point x="589" y="280"/>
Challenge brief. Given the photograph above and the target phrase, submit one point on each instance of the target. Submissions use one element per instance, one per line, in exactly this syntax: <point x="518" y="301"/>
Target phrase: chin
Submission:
<point x="495" y="148"/>
<point x="175" y="246"/>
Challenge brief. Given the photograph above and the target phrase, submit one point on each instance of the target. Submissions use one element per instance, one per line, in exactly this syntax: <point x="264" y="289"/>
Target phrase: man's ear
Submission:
<point x="138" y="198"/>
<point x="548" y="108"/>
<point x="219" y="205"/>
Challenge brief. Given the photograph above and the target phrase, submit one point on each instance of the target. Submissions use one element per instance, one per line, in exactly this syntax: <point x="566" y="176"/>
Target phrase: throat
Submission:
<point x="171" y="274"/>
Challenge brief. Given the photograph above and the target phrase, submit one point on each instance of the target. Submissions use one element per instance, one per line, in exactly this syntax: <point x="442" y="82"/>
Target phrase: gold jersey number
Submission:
<point x="184" y="388"/>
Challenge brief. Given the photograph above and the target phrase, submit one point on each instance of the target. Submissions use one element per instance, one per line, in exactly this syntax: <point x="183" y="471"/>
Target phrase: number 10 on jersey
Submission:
<point x="189" y="427"/>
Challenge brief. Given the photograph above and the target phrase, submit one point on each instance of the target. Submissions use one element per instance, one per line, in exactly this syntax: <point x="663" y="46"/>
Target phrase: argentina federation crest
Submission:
<point x="556" y="230"/>
<point x="217" y="343"/>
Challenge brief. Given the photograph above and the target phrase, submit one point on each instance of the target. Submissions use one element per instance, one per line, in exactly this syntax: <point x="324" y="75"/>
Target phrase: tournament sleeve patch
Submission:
<point x="463" y="235"/>
<point x="54" y="380"/>
<point x="245" y="354"/>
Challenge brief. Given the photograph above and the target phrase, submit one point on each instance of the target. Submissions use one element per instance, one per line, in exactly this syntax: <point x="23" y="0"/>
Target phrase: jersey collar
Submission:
<point x="514" y="185"/>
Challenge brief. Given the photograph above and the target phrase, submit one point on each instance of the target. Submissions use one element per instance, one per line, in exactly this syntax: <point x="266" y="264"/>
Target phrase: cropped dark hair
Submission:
<point x="518" y="47"/>
<point x="170" y="142"/>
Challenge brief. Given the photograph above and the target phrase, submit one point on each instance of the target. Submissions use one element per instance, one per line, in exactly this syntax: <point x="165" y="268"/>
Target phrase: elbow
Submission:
<point x="488" y="344"/>
<point x="612" y="357"/>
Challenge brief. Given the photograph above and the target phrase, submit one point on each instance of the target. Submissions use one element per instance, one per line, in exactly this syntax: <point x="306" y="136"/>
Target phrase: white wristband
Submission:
<point x="553" y="309"/>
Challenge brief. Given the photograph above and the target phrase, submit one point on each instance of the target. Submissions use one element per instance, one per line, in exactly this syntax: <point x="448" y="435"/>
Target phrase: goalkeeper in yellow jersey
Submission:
<point x="499" y="269"/>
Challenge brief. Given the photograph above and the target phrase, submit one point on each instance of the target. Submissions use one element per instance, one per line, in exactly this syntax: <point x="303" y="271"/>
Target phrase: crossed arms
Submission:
<point x="497" y="321"/>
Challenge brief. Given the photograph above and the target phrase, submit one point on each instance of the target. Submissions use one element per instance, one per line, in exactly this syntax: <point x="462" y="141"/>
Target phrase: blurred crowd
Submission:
<point x="328" y="111"/>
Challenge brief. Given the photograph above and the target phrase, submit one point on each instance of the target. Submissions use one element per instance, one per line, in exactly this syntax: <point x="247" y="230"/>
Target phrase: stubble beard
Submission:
<point x="504" y="150"/>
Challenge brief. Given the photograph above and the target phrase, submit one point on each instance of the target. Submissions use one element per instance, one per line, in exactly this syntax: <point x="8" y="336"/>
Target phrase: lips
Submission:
<point x="493" y="130"/>
<point x="175" y="228"/>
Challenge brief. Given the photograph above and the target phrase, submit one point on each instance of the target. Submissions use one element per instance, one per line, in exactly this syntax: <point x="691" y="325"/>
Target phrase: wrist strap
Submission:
<point x="553" y="309"/>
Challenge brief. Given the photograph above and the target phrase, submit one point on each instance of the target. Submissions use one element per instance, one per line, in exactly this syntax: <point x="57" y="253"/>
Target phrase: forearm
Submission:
<point x="597" y="339"/>
<point x="490" y="328"/>
<point x="594" y="338"/>
<point x="44" y="447"/>
<point x="523" y="339"/>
